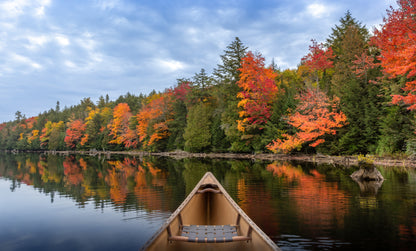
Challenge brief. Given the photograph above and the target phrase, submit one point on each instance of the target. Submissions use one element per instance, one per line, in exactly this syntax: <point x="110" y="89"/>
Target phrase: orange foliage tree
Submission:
<point x="153" y="118"/>
<point x="397" y="43"/>
<point x="119" y="126"/>
<point x="74" y="133"/>
<point x="259" y="91"/>
<point x="314" y="117"/>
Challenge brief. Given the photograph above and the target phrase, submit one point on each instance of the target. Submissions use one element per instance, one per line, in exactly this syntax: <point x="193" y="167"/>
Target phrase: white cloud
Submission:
<point x="15" y="8"/>
<point x="36" y="42"/>
<point x="22" y="60"/>
<point x="40" y="8"/>
<point x="169" y="65"/>
<point x="107" y="4"/>
<point x="62" y="40"/>
<point x="70" y="64"/>
<point x="40" y="11"/>
<point x="318" y="10"/>
<point x="39" y="41"/>
<point x="280" y="62"/>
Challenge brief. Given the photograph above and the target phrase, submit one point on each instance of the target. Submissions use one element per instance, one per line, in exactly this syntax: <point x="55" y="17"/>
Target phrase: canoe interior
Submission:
<point x="210" y="209"/>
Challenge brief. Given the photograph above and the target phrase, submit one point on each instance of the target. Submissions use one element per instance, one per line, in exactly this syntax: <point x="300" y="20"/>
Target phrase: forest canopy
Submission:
<point x="355" y="93"/>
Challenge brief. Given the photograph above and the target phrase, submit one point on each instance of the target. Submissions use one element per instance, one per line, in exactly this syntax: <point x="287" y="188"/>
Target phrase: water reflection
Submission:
<point x="318" y="202"/>
<point x="126" y="183"/>
<point x="369" y="188"/>
<point x="300" y="206"/>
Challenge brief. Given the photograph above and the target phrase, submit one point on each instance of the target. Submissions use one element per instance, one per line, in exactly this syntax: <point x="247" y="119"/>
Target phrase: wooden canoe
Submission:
<point x="209" y="219"/>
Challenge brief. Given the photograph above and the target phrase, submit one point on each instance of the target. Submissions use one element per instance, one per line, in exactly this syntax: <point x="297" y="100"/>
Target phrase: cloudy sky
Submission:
<point x="60" y="50"/>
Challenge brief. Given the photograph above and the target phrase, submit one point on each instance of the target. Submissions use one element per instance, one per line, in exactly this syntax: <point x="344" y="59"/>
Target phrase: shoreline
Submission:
<point x="316" y="158"/>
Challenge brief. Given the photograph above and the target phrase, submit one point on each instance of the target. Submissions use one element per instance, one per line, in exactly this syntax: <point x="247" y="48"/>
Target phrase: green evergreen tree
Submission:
<point x="197" y="132"/>
<point x="397" y="123"/>
<point x="218" y="140"/>
<point x="177" y="126"/>
<point x="226" y="76"/>
<point x="227" y="72"/>
<point x="396" y="128"/>
<point x="338" y="32"/>
<point x="359" y="99"/>
<point x="201" y="84"/>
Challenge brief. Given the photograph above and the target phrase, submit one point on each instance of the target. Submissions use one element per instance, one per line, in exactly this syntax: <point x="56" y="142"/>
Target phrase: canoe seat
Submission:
<point x="209" y="234"/>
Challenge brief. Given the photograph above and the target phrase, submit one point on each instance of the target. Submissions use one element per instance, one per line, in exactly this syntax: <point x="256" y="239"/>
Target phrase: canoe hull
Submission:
<point x="210" y="209"/>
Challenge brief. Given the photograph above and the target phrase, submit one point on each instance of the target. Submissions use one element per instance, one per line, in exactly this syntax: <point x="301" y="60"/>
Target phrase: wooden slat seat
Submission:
<point x="209" y="233"/>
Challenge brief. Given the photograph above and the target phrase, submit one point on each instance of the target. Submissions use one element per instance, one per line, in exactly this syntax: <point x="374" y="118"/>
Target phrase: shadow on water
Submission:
<point x="301" y="206"/>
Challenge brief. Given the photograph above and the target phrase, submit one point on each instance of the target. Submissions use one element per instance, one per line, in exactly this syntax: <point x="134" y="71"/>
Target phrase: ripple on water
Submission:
<point x="296" y="242"/>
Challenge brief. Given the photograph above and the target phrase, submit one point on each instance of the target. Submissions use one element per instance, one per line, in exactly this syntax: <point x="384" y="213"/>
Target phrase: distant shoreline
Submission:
<point x="316" y="158"/>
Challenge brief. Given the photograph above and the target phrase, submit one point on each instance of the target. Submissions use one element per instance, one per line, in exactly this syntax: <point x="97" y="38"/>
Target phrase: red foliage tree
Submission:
<point x="397" y="43"/>
<point x="182" y="90"/>
<point x="259" y="90"/>
<point x="318" y="59"/>
<point x="314" y="117"/>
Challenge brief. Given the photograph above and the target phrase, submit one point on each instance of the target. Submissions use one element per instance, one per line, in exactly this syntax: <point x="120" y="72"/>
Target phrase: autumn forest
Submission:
<point x="351" y="94"/>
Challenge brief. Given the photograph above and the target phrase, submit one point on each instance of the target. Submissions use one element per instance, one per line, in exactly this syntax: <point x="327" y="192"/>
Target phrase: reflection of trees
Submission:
<point x="407" y="231"/>
<point x="145" y="192"/>
<point x="193" y="172"/>
<point x="250" y="196"/>
<point x="127" y="182"/>
<point x="72" y="170"/>
<point x="369" y="188"/>
<point x="319" y="203"/>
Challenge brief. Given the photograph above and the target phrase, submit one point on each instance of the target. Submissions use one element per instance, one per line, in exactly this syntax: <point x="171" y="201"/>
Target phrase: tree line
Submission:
<point x="353" y="93"/>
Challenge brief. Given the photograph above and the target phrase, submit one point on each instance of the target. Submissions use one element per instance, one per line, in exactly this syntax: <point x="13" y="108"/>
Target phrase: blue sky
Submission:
<point x="60" y="50"/>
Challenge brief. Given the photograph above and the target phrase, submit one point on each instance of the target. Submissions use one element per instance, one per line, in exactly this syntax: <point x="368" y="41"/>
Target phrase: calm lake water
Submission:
<point x="89" y="203"/>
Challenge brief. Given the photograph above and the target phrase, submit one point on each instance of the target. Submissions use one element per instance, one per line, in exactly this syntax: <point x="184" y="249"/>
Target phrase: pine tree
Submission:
<point x="201" y="83"/>
<point x="178" y="123"/>
<point x="396" y="128"/>
<point x="337" y="36"/>
<point x="197" y="132"/>
<point x="226" y="77"/>
<point x="359" y="98"/>
<point x="227" y="72"/>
